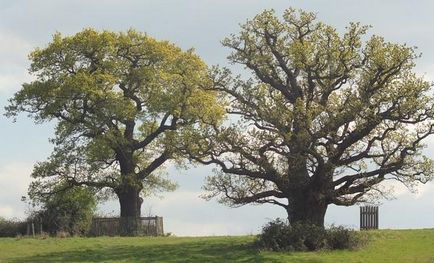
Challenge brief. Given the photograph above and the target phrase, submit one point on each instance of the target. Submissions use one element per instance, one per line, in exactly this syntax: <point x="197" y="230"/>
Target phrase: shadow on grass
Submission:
<point x="190" y="252"/>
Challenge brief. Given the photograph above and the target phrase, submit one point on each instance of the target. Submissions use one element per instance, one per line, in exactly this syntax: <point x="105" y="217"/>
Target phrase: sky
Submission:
<point x="202" y="24"/>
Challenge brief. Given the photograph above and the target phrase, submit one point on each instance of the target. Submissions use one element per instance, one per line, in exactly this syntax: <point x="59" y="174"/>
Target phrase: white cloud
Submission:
<point x="13" y="50"/>
<point x="13" y="82"/>
<point x="423" y="190"/>
<point x="6" y="211"/>
<point x="14" y="179"/>
<point x="13" y="62"/>
<point x="395" y="188"/>
<point x="189" y="197"/>
<point x="183" y="228"/>
<point x="399" y="190"/>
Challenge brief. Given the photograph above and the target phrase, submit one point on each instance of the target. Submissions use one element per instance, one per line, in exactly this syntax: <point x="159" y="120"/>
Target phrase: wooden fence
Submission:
<point x="111" y="226"/>
<point x="368" y="217"/>
<point x="34" y="228"/>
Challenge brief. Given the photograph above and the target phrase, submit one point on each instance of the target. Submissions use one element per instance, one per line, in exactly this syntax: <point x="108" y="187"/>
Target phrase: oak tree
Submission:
<point x="324" y="119"/>
<point x="122" y="101"/>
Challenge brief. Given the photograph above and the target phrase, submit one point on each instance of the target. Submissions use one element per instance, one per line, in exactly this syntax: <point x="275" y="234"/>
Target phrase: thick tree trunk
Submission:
<point x="307" y="209"/>
<point x="130" y="203"/>
<point x="128" y="194"/>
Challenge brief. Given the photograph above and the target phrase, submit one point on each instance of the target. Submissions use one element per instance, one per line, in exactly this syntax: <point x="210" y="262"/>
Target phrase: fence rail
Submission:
<point x="368" y="217"/>
<point x="112" y="226"/>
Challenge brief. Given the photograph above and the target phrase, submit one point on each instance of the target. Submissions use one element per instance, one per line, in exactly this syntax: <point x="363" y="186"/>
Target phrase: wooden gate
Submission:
<point x="368" y="217"/>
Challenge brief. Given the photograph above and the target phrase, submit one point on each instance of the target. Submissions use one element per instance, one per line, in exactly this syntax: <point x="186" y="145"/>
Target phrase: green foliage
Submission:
<point x="66" y="210"/>
<point x="325" y="117"/>
<point x="11" y="227"/>
<point x="122" y="102"/>
<point x="280" y="236"/>
<point x="339" y="237"/>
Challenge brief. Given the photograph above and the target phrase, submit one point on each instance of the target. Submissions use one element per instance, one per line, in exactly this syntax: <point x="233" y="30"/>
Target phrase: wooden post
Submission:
<point x="369" y="214"/>
<point x="159" y="226"/>
<point x="376" y="217"/>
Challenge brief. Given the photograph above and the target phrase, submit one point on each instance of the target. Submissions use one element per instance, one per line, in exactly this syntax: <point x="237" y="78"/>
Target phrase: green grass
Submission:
<point x="385" y="246"/>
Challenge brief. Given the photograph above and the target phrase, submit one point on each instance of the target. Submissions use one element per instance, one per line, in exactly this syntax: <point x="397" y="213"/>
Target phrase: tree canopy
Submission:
<point x="121" y="102"/>
<point x="324" y="119"/>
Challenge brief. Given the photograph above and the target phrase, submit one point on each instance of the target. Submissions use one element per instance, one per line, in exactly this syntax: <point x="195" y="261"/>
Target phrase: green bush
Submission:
<point x="12" y="227"/>
<point x="274" y="236"/>
<point x="280" y="236"/>
<point x="69" y="211"/>
<point x="339" y="237"/>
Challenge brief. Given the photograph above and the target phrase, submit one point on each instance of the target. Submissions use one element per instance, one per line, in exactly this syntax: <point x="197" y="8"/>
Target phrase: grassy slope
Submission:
<point x="386" y="246"/>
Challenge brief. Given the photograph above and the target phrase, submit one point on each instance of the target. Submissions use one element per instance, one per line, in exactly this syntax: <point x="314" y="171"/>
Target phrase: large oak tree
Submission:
<point x="325" y="118"/>
<point x="122" y="101"/>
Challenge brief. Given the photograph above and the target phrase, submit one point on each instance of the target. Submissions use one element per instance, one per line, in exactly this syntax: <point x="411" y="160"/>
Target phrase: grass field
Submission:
<point x="385" y="246"/>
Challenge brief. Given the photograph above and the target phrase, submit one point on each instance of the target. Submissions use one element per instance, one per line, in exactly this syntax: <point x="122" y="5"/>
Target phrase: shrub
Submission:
<point x="68" y="210"/>
<point x="339" y="237"/>
<point x="274" y="236"/>
<point x="277" y="235"/>
<point x="11" y="227"/>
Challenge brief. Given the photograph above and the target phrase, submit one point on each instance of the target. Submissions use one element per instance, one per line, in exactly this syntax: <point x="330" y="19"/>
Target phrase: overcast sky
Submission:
<point x="201" y="24"/>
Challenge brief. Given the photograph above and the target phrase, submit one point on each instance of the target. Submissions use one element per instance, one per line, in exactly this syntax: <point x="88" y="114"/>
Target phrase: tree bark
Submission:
<point x="128" y="194"/>
<point x="307" y="208"/>
<point x="130" y="204"/>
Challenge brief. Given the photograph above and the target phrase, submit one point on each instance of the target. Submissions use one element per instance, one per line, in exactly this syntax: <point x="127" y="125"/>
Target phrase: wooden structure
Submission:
<point x="34" y="227"/>
<point x="368" y="217"/>
<point x="111" y="226"/>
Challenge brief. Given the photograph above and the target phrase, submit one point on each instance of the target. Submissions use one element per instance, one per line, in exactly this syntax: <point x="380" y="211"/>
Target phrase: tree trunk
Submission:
<point x="307" y="208"/>
<point x="128" y="194"/>
<point x="130" y="203"/>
